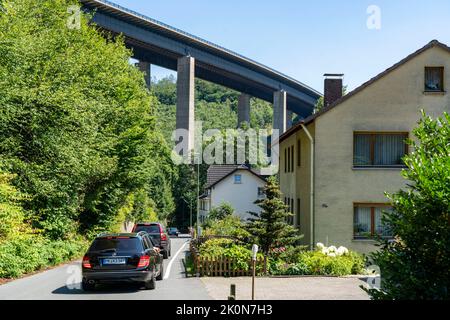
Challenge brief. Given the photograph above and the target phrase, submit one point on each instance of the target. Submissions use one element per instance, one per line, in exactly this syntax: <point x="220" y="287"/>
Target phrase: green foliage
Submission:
<point x="221" y="212"/>
<point x="26" y="254"/>
<point x="317" y="263"/>
<point x="77" y="124"/>
<point x="269" y="227"/>
<point x="12" y="215"/>
<point x="22" y="249"/>
<point x="78" y="137"/>
<point x="417" y="264"/>
<point x="230" y="225"/>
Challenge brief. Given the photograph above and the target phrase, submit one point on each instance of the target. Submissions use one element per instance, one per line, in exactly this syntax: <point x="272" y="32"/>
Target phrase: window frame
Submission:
<point x="372" y="207"/>
<point x="293" y="158"/>
<point x="373" y="134"/>
<point x="442" y="75"/>
<point x="289" y="158"/>
<point x="260" y="192"/>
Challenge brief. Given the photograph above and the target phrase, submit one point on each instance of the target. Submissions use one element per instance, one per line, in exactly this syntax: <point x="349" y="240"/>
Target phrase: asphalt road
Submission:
<point x="64" y="283"/>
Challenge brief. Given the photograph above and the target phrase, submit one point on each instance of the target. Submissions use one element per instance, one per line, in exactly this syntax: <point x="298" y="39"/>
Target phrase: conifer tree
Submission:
<point x="269" y="227"/>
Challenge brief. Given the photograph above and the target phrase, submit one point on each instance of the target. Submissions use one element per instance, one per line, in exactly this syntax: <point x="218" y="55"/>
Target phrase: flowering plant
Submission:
<point x="332" y="251"/>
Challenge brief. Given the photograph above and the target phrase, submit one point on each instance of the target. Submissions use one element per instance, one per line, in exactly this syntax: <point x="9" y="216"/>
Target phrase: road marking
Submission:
<point x="169" y="266"/>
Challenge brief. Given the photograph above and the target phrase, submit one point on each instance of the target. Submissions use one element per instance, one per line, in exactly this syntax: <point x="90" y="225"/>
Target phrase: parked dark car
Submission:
<point x="158" y="234"/>
<point x="122" y="257"/>
<point x="173" y="232"/>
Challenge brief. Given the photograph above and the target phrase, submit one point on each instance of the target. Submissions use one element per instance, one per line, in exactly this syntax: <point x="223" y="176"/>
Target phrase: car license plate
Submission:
<point x="113" y="261"/>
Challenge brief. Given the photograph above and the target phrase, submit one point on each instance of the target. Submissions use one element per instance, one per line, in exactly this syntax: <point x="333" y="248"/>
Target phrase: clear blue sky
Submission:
<point x="305" y="39"/>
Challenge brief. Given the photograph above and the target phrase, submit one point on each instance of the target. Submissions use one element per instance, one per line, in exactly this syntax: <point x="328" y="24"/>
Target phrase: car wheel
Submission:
<point x="87" y="286"/>
<point x="165" y="254"/>
<point x="161" y="273"/>
<point x="151" y="284"/>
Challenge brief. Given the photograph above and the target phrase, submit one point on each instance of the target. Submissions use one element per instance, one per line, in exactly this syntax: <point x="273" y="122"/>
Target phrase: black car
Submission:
<point x="122" y="257"/>
<point x="173" y="232"/>
<point x="158" y="234"/>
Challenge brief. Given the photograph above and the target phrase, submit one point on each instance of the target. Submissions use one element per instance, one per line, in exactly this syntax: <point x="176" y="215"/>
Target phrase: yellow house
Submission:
<point x="336" y="165"/>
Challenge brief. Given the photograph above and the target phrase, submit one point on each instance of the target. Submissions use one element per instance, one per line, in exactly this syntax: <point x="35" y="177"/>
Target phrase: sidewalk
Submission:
<point x="304" y="288"/>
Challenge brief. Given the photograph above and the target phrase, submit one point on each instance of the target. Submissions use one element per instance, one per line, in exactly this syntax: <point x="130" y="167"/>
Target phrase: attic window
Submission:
<point x="237" y="179"/>
<point x="434" y="79"/>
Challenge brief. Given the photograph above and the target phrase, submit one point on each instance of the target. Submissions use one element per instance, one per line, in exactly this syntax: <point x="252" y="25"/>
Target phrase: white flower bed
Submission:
<point x="332" y="251"/>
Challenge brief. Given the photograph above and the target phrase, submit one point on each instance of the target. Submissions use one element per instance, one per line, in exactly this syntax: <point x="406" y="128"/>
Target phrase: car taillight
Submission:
<point x="144" y="261"/>
<point x="163" y="236"/>
<point x="86" y="263"/>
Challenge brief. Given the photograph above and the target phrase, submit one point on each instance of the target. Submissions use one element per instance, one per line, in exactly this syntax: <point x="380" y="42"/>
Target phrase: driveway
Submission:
<point x="304" y="288"/>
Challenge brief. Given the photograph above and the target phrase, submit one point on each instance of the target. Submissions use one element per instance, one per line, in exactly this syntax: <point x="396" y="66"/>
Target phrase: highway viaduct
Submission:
<point x="154" y="42"/>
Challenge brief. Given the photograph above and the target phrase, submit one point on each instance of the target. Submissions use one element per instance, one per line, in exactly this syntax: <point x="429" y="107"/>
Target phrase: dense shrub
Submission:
<point x="22" y="248"/>
<point x="229" y="226"/>
<point x="417" y="265"/>
<point x="77" y="123"/>
<point x="30" y="253"/>
<point x="318" y="263"/>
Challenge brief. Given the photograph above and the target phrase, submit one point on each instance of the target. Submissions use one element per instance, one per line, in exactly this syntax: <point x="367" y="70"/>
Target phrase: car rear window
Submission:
<point x="119" y="244"/>
<point x="154" y="228"/>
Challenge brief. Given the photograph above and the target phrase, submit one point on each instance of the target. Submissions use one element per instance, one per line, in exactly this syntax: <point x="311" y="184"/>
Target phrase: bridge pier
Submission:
<point x="146" y="68"/>
<point x="185" y="100"/>
<point x="279" y="110"/>
<point x="243" y="109"/>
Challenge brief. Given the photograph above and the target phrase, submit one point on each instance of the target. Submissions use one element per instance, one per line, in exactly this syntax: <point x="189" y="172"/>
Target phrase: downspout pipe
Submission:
<point x="311" y="195"/>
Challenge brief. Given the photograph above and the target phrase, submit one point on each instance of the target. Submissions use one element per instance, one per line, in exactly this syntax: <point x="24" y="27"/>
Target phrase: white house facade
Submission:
<point x="238" y="186"/>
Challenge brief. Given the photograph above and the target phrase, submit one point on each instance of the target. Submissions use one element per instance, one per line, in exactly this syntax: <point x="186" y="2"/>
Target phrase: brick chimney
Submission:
<point x="332" y="88"/>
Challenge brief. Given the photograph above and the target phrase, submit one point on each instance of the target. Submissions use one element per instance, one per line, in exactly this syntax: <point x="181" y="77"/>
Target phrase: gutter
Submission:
<point x="311" y="201"/>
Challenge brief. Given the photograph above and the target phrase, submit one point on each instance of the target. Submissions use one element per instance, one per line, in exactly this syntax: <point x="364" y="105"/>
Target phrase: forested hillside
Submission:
<point x="215" y="106"/>
<point x="79" y="148"/>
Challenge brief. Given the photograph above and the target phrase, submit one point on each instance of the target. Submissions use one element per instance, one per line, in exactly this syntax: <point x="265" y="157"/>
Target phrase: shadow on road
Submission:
<point x="102" y="288"/>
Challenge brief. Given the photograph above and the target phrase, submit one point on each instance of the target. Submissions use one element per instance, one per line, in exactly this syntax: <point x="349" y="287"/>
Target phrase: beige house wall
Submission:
<point x="392" y="103"/>
<point x="296" y="185"/>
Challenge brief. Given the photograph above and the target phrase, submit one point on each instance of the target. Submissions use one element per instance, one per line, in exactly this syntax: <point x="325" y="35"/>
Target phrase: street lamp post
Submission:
<point x="254" y="253"/>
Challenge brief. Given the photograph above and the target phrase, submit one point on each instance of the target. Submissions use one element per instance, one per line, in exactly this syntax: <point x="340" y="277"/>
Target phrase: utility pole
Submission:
<point x="190" y="225"/>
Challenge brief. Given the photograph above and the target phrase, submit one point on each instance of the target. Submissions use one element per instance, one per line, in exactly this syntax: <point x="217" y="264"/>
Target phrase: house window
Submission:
<point x="290" y="208"/>
<point x="285" y="160"/>
<point x="379" y="149"/>
<point x="434" y="79"/>
<point x="298" y="212"/>
<point x="292" y="159"/>
<point x="291" y="218"/>
<point x="299" y="153"/>
<point x="289" y="159"/>
<point x="367" y="221"/>
<point x="260" y="192"/>
<point x="237" y="179"/>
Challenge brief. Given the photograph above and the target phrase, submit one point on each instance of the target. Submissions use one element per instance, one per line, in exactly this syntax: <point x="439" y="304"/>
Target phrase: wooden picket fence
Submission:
<point x="221" y="266"/>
